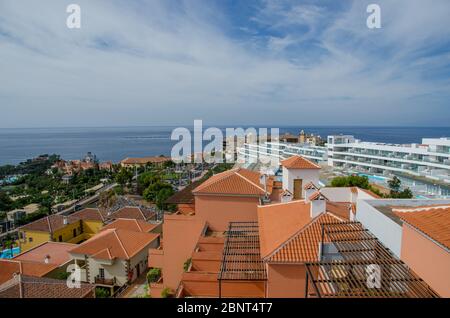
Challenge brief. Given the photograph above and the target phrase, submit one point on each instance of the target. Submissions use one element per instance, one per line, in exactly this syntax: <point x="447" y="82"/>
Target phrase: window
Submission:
<point x="101" y="273"/>
<point x="74" y="232"/>
<point x="60" y="238"/>
<point x="30" y="239"/>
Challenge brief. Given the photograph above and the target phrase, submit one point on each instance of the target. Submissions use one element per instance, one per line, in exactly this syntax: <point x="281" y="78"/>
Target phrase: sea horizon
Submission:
<point x="118" y="142"/>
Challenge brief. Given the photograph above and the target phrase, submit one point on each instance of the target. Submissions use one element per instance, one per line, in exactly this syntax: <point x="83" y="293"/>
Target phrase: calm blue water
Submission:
<point x="115" y="144"/>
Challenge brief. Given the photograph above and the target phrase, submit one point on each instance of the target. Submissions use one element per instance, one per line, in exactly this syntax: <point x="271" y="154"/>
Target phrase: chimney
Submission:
<point x="47" y="259"/>
<point x="318" y="206"/>
<point x="65" y="220"/>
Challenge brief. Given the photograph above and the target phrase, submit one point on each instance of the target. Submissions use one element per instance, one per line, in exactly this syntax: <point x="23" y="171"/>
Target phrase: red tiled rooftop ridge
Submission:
<point x="299" y="162"/>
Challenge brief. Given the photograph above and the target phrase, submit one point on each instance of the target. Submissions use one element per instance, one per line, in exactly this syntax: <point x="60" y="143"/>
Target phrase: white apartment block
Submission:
<point x="430" y="160"/>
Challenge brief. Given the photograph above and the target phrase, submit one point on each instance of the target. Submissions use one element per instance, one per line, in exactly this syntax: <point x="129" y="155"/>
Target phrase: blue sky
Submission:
<point x="228" y="62"/>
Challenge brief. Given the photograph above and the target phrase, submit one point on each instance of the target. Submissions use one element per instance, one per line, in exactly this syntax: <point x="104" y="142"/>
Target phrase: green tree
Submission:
<point x="146" y="179"/>
<point x="5" y="202"/>
<point x="153" y="275"/>
<point x="124" y="176"/>
<point x="351" y="181"/>
<point x="162" y="196"/>
<point x="101" y="292"/>
<point x="153" y="189"/>
<point x="395" y="184"/>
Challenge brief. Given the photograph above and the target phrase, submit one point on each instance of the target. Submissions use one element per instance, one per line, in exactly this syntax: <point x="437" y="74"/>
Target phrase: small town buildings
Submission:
<point x="74" y="228"/>
<point x="49" y="259"/>
<point x="115" y="256"/>
<point x="17" y="214"/>
<point x="131" y="212"/>
<point x="298" y="172"/>
<point x="142" y="162"/>
<point x="231" y="195"/>
<point x="313" y="245"/>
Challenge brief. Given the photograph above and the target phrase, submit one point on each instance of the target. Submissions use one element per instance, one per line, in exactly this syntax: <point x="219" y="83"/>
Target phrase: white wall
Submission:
<point x="383" y="227"/>
<point x="337" y="194"/>
<point x="317" y="207"/>
<point x="307" y="175"/>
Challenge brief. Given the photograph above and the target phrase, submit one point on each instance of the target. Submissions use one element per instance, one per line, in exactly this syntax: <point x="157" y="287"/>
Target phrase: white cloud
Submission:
<point x="148" y="62"/>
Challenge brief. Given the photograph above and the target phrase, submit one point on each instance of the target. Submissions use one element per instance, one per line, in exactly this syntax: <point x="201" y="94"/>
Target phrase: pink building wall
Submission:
<point x="218" y="211"/>
<point x="427" y="259"/>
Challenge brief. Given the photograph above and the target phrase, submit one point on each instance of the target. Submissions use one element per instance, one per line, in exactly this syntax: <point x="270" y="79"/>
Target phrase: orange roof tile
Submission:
<point x="130" y="225"/>
<point x="131" y="212"/>
<point x="432" y="221"/>
<point x="317" y="196"/>
<point x="277" y="222"/>
<point x="310" y="186"/>
<point x="235" y="182"/>
<point x="115" y="243"/>
<point x="56" y="252"/>
<point x="303" y="246"/>
<point x="22" y="286"/>
<point x="341" y="209"/>
<point x="10" y="267"/>
<point x="298" y="162"/>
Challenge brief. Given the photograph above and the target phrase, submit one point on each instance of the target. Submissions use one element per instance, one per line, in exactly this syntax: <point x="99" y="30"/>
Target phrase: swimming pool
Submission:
<point x="7" y="253"/>
<point x="373" y="177"/>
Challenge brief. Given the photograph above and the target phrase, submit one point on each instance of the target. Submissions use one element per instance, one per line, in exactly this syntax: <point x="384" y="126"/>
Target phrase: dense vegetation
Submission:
<point x="38" y="183"/>
<point x="363" y="183"/>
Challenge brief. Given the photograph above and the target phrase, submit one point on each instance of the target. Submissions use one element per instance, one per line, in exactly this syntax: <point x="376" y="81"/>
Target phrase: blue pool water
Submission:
<point x="7" y="253"/>
<point x="373" y="177"/>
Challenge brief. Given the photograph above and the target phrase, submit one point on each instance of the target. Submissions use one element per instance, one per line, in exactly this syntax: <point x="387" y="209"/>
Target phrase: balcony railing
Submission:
<point x="105" y="281"/>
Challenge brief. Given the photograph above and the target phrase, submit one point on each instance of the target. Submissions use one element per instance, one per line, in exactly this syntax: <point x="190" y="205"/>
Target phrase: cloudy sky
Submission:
<point x="228" y="62"/>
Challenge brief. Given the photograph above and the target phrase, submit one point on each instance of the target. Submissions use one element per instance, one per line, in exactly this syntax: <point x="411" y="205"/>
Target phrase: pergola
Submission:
<point x="241" y="258"/>
<point x="356" y="264"/>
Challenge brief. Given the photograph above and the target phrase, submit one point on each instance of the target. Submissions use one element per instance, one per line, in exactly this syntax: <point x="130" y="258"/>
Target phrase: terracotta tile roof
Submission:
<point x="56" y="252"/>
<point x="317" y="196"/>
<point x="10" y="267"/>
<point x="235" y="182"/>
<point x="303" y="246"/>
<point x="115" y="243"/>
<point x="310" y="186"/>
<point x="278" y="222"/>
<point x="22" y="286"/>
<point x="89" y="214"/>
<point x="145" y="160"/>
<point x="341" y="209"/>
<point x="131" y="212"/>
<point x="298" y="162"/>
<point x="55" y="222"/>
<point x="185" y="196"/>
<point x="432" y="221"/>
<point x="130" y="225"/>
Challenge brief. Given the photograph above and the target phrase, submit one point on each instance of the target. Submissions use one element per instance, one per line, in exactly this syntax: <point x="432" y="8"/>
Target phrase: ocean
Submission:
<point x="117" y="143"/>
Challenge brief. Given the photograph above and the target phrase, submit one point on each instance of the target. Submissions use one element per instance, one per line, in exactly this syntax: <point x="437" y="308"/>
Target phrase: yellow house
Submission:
<point x="74" y="228"/>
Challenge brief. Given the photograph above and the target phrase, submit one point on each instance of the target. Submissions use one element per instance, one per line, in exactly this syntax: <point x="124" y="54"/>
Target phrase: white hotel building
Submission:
<point x="430" y="160"/>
